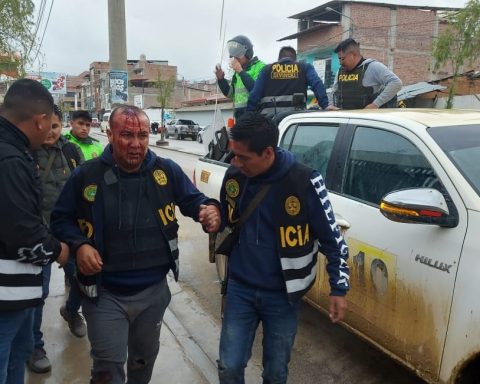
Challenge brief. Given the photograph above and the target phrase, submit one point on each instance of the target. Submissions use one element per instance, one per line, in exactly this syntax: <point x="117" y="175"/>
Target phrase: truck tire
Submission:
<point x="194" y="137"/>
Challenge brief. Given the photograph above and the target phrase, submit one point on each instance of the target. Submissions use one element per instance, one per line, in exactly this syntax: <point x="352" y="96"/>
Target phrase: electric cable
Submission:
<point x="46" y="25"/>
<point x="41" y="11"/>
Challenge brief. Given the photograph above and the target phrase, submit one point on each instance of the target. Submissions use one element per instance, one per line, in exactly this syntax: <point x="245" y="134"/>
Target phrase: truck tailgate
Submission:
<point x="209" y="176"/>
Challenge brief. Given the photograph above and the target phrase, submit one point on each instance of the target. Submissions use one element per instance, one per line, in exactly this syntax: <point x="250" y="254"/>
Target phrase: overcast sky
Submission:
<point x="186" y="33"/>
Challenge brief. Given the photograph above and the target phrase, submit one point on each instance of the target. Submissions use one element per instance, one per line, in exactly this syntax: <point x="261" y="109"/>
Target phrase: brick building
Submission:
<point x="142" y="76"/>
<point x="397" y="33"/>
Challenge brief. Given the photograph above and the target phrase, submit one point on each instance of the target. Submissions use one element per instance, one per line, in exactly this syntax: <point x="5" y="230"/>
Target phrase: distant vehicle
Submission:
<point x="182" y="128"/>
<point x="201" y="133"/>
<point x="104" y="124"/>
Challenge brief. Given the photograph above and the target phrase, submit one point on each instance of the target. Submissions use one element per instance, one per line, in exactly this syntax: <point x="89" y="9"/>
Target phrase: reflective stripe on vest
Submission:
<point x="12" y="268"/>
<point x="299" y="263"/>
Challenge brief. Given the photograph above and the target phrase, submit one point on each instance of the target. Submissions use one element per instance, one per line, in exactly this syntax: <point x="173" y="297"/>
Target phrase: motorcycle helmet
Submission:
<point x="240" y="46"/>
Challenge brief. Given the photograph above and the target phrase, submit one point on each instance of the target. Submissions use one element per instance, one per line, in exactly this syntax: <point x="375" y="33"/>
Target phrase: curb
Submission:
<point x="198" y="351"/>
<point x="199" y="334"/>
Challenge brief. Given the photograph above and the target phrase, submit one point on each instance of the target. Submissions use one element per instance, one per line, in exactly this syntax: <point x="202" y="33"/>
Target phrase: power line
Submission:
<point x="37" y="26"/>
<point x="45" y="29"/>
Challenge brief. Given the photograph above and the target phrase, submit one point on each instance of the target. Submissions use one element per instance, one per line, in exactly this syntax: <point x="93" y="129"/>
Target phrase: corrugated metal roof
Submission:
<point x="412" y="90"/>
<point x="423" y="4"/>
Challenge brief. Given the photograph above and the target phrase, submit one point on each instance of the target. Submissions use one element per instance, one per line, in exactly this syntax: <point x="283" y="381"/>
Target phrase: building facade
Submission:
<point x="398" y="34"/>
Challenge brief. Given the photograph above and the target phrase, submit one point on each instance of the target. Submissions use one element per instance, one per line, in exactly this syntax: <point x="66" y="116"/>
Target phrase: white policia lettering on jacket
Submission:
<point x="319" y="185"/>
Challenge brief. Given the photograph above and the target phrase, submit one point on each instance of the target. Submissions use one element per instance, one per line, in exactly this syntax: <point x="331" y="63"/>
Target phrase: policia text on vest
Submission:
<point x="284" y="71"/>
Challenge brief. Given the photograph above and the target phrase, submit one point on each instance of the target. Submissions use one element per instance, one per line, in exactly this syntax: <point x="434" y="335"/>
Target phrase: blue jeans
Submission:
<point x="16" y="344"/>
<point x="74" y="300"/>
<point x="38" y="315"/>
<point x="245" y="307"/>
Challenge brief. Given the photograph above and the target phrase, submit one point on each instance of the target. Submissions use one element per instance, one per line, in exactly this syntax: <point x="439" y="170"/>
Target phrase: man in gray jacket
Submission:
<point x="363" y="83"/>
<point x="55" y="160"/>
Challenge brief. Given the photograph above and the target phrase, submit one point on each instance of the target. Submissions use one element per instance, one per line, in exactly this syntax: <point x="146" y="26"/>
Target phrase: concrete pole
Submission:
<point x="117" y="35"/>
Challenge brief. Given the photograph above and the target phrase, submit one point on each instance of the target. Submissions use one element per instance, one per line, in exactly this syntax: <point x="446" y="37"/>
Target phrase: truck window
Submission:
<point x="380" y="162"/>
<point x="312" y="144"/>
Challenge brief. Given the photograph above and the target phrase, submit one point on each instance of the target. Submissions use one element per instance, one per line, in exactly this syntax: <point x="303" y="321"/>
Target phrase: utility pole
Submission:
<point x="117" y="49"/>
<point x="117" y="35"/>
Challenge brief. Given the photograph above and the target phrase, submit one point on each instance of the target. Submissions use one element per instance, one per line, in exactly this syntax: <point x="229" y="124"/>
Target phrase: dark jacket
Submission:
<point x="309" y="78"/>
<point x="66" y="157"/>
<point x="25" y="242"/>
<point x="80" y="212"/>
<point x="257" y="259"/>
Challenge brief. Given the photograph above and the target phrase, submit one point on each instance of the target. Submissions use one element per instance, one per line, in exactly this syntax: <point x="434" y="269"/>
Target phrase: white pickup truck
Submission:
<point x="405" y="188"/>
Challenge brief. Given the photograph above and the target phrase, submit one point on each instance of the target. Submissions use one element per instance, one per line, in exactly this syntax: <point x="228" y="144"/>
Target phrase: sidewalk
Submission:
<point x="188" y="343"/>
<point x="182" y="362"/>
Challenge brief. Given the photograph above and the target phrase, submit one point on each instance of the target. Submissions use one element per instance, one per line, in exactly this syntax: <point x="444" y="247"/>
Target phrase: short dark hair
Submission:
<point x="57" y="111"/>
<point x="126" y="110"/>
<point x="81" y="114"/>
<point x="347" y="44"/>
<point x="287" y="51"/>
<point x="26" y="98"/>
<point x="256" y="131"/>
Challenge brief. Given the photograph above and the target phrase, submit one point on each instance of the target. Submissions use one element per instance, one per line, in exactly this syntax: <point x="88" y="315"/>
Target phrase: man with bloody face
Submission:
<point x="118" y="214"/>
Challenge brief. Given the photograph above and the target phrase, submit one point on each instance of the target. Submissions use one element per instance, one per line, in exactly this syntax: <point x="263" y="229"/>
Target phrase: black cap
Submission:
<point x="346" y="44"/>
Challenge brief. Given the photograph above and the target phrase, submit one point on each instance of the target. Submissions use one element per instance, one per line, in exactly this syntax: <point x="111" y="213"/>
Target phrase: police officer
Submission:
<point x="247" y="68"/>
<point x="278" y="82"/>
<point x="274" y="262"/>
<point x="26" y="245"/>
<point x="363" y="83"/>
<point x="118" y="213"/>
<point x="81" y="124"/>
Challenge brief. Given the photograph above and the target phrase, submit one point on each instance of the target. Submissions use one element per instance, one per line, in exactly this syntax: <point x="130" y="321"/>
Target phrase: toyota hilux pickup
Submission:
<point x="182" y="128"/>
<point x="405" y="189"/>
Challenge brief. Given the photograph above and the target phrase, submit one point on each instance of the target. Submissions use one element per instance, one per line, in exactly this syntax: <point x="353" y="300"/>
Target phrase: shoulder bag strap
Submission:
<point x="253" y="204"/>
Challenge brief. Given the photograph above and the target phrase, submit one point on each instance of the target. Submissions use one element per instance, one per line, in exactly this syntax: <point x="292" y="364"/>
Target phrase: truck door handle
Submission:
<point x="342" y="223"/>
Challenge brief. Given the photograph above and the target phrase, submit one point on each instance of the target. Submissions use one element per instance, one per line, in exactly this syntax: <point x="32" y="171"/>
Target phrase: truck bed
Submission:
<point x="209" y="175"/>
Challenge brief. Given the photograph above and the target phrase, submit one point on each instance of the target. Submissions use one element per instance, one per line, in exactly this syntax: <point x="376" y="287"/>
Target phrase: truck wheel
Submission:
<point x="199" y="139"/>
<point x="181" y="137"/>
<point x="176" y="135"/>
<point x="470" y="373"/>
<point x="194" y="138"/>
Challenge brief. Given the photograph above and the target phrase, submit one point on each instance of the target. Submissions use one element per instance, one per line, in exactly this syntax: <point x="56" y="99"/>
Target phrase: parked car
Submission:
<point x="405" y="189"/>
<point x="104" y="125"/>
<point x="202" y="132"/>
<point x="182" y="128"/>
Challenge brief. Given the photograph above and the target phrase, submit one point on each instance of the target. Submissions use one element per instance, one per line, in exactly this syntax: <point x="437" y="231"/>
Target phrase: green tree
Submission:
<point x="459" y="43"/>
<point x="166" y="89"/>
<point x="16" y="38"/>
